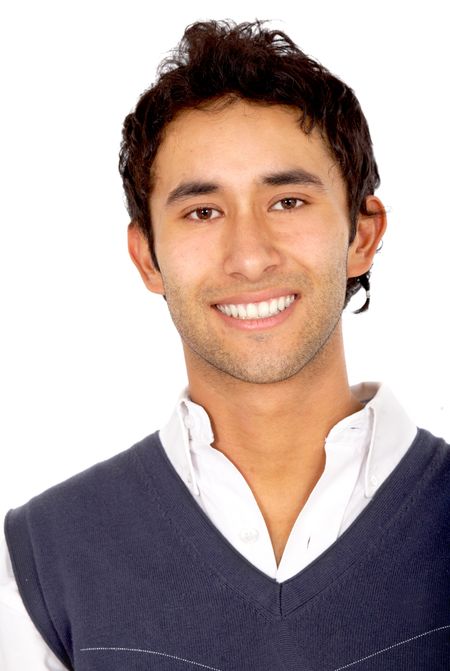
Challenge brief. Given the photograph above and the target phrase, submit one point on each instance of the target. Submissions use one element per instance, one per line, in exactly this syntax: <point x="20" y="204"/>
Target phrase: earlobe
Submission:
<point x="369" y="233"/>
<point x="140" y="255"/>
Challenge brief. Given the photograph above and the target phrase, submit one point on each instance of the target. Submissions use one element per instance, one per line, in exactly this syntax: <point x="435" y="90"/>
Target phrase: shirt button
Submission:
<point x="249" y="535"/>
<point x="373" y="480"/>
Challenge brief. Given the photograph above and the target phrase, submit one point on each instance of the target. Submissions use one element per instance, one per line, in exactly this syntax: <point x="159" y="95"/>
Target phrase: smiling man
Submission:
<point x="282" y="519"/>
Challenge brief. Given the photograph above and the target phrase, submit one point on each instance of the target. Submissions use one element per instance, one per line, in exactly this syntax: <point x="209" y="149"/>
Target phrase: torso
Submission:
<point x="281" y="484"/>
<point x="281" y="508"/>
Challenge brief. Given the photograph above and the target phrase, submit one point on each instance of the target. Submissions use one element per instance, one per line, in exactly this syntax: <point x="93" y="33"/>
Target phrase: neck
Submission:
<point x="275" y="433"/>
<point x="274" y="424"/>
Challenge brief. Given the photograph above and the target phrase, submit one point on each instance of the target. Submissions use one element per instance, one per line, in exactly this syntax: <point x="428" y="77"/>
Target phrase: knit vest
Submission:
<point x="121" y="570"/>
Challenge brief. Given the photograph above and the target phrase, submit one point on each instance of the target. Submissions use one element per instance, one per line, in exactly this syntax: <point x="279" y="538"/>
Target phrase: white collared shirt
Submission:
<point x="361" y="451"/>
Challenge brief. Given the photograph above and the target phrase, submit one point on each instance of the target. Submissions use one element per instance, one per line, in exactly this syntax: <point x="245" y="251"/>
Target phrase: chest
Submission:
<point x="280" y="516"/>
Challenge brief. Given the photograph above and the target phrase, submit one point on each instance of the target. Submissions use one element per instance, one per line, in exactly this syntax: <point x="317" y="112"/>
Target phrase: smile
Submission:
<point x="261" y="310"/>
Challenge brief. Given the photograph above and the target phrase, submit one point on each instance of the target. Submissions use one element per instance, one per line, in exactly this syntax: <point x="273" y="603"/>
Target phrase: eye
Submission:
<point x="203" y="214"/>
<point x="288" y="204"/>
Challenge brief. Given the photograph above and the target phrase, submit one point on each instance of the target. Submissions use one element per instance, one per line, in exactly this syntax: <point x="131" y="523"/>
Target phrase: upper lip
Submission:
<point x="255" y="297"/>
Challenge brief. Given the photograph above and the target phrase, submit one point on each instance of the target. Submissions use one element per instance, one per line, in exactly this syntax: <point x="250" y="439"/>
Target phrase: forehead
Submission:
<point x="236" y="140"/>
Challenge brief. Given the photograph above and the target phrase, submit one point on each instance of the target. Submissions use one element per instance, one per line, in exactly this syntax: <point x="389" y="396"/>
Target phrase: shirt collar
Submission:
<point x="177" y="434"/>
<point x="390" y="434"/>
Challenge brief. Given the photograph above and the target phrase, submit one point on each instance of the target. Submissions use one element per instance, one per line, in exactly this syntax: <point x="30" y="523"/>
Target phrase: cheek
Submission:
<point x="315" y="249"/>
<point x="184" y="260"/>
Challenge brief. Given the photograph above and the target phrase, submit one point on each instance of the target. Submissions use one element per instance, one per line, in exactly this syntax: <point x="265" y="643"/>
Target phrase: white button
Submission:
<point x="249" y="535"/>
<point x="373" y="480"/>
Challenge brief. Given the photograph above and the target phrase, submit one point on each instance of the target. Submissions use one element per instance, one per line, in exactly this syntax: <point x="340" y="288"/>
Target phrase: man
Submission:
<point x="281" y="520"/>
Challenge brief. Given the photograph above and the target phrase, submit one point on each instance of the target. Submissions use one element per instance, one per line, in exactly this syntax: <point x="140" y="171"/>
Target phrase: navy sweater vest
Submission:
<point x="121" y="570"/>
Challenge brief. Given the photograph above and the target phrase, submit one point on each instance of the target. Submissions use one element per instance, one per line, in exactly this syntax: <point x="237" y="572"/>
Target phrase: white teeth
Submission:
<point x="263" y="309"/>
<point x="260" y="310"/>
<point x="273" y="306"/>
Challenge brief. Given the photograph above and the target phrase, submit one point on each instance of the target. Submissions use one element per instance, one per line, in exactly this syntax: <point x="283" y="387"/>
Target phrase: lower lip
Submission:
<point x="258" y="324"/>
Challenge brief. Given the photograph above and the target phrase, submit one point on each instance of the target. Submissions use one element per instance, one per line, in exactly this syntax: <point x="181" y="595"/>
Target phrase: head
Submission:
<point x="225" y="61"/>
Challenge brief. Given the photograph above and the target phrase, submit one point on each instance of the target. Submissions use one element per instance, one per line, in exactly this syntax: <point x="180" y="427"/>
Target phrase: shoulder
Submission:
<point x="437" y="448"/>
<point x="428" y="463"/>
<point x="98" y="488"/>
<point x="429" y="452"/>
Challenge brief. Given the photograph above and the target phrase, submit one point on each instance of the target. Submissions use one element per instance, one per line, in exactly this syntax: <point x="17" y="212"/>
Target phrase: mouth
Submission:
<point x="257" y="311"/>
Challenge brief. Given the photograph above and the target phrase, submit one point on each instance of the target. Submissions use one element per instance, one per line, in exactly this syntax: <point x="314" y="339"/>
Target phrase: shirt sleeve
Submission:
<point x="21" y="646"/>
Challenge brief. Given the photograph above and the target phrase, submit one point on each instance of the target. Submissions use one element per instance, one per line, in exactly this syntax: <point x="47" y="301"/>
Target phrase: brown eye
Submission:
<point x="287" y="204"/>
<point x="203" y="214"/>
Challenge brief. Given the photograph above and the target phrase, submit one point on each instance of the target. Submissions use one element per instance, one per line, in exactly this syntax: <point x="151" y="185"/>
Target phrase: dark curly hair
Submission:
<point x="216" y="59"/>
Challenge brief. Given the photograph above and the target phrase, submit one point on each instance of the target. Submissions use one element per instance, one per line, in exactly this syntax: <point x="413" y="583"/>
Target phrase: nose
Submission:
<point x="250" y="249"/>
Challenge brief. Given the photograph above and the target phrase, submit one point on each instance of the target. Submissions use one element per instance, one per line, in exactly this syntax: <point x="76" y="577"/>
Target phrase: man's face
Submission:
<point x="251" y="234"/>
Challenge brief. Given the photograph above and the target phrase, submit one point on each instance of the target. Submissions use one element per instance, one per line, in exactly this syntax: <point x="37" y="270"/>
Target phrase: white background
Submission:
<point x="89" y="360"/>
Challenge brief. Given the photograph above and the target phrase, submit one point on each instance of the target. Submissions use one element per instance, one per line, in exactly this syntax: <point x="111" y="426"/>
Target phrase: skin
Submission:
<point x="272" y="392"/>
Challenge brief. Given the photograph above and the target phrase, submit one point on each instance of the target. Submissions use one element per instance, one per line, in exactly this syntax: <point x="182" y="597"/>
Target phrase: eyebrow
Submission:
<point x="295" y="176"/>
<point x="186" y="189"/>
<point x="198" y="188"/>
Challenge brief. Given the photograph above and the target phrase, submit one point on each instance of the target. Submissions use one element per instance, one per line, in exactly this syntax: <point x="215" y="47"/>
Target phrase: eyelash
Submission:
<point x="190" y="215"/>
<point x="299" y="200"/>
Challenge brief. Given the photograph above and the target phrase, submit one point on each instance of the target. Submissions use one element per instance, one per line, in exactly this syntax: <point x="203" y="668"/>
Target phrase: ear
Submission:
<point x="140" y="255"/>
<point x="369" y="232"/>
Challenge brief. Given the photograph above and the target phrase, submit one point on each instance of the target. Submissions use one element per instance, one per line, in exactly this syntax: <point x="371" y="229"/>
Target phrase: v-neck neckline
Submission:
<point x="273" y="598"/>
